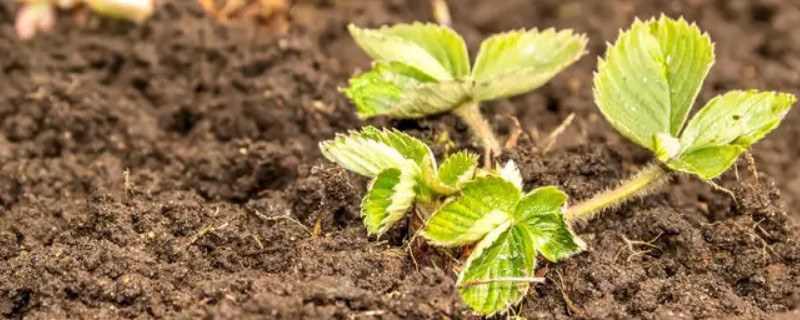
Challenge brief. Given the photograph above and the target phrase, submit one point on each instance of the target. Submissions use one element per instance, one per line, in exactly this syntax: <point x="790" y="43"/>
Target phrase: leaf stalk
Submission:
<point x="470" y="113"/>
<point x="645" y="181"/>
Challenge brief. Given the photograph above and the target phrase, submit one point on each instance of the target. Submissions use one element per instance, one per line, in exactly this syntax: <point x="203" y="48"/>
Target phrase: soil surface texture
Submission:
<point x="170" y="170"/>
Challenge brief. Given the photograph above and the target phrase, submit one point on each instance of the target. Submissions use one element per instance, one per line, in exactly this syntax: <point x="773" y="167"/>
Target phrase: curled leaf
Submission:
<point x="458" y="169"/>
<point x="401" y="91"/>
<point x="390" y="195"/>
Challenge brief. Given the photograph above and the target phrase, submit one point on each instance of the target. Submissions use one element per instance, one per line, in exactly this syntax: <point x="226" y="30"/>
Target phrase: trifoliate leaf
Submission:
<point x="490" y="281"/>
<point x="371" y="151"/>
<point x="541" y="212"/>
<point x="400" y="91"/>
<point x="390" y="196"/>
<point x="512" y="228"/>
<point x="709" y="162"/>
<point x="651" y="76"/>
<point x="511" y="173"/>
<point x="737" y="118"/>
<point x="516" y="62"/>
<point x="458" y="169"/>
<point x="484" y="204"/>
<point x="436" y="50"/>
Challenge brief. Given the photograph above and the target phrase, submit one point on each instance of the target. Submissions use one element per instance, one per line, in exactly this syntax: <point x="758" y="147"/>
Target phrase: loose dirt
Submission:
<point x="171" y="170"/>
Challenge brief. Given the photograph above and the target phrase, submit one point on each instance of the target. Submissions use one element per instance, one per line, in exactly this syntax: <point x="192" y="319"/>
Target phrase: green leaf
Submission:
<point x="541" y="212"/>
<point x="650" y="78"/>
<point x="516" y="62"/>
<point x="377" y="91"/>
<point x="737" y="118"/>
<point x="457" y="169"/>
<point x="409" y="147"/>
<point x="400" y="91"/>
<point x="484" y="204"/>
<point x="512" y="228"/>
<point x="372" y="150"/>
<point x="390" y="196"/>
<point x="436" y="50"/>
<point x="505" y="253"/>
<point x="511" y="173"/>
<point x="364" y="156"/>
<point x="709" y="162"/>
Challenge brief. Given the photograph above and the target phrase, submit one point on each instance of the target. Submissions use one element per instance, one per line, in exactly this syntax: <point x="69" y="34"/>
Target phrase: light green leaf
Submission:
<point x="516" y="62"/>
<point x="372" y="150"/>
<point x="409" y="147"/>
<point x="505" y="253"/>
<point x="361" y="155"/>
<point x="377" y="91"/>
<point x="457" y="169"/>
<point x="709" y="162"/>
<point x="484" y="204"/>
<point x="400" y="91"/>
<point x="390" y="196"/>
<point x="688" y="55"/>
<point x="737" y="118"/>
<point x="651" y="76"/>
<point x="511" y="173"/>
<point x="541" y="213"/>
<point x="430" y="99"/>
<point x="436" y="50"/>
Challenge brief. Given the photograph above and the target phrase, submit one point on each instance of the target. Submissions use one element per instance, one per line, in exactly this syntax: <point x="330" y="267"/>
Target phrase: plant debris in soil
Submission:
<point x="171" y="170"/>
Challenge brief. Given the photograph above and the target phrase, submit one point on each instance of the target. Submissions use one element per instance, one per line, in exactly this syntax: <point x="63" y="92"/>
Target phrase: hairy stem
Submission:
<point x="471" y="115"/>
<point x="646" y="180"/>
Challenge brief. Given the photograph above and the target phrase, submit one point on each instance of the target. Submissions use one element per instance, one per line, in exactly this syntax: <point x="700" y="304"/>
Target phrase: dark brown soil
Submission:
<point x="229" y="212"/>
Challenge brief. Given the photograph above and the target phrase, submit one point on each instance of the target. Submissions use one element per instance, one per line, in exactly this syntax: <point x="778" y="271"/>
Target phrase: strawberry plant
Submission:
<point x="645" y="88"/>
<point x="463" y="205"/>
<point x="424" y="69"/>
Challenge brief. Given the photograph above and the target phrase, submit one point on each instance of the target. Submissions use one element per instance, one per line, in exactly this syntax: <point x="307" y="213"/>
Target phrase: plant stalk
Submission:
<point x="470" y="113"/>
<point x="645" y="181"/>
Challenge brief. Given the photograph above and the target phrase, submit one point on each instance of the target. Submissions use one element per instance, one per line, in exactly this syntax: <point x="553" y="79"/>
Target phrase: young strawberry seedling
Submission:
<point x="511" y="229"/>
<point x="403" y="171"/>
<point x="645" y="88"/>
<point x="484" y="206"/>
<point x="424" y="69"/>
